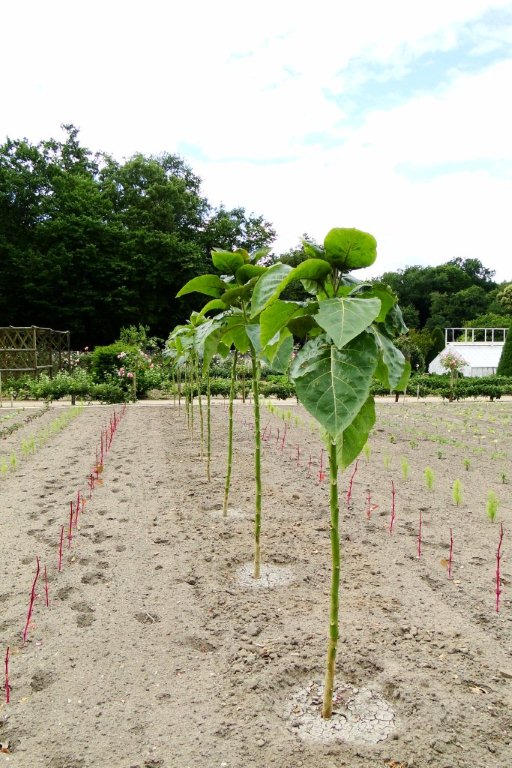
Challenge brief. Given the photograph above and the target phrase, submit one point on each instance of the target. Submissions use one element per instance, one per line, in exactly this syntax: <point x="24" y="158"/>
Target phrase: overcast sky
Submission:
<point x="394" y="117"/>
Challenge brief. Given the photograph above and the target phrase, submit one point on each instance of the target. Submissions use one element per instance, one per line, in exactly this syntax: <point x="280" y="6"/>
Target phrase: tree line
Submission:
<point x="91" y="245"/>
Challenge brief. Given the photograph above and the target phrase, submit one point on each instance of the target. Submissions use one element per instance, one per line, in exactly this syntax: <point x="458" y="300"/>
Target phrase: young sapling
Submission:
<point x="457" y="492"/>
<point x="467" y="464"/>
<point x="31" y="602"/>
<point x="492" y="506"/>
<point x="429" y="478"/>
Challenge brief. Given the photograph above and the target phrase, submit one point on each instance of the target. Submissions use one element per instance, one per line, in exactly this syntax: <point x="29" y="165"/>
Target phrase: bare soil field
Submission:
<point x="159" y="649"/>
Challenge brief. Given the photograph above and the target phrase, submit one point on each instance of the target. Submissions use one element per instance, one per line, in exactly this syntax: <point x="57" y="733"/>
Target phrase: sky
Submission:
<point x="393" y="117"/>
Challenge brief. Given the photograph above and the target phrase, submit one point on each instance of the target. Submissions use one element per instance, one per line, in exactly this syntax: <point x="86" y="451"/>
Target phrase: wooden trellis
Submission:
<point x="32" y="350"/>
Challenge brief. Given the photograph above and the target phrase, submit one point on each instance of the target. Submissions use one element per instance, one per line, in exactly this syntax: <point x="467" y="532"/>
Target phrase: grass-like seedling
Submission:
<point x="492" y="506"/>
<point x="367" y="451"/>
<point x="429" y="478"/>
<point x="467" y="464"/>
<point x="13" y="461"/>
<point x="405" y="467"/>
<point x="386" y="460"/>
<point x="457" y="492"/>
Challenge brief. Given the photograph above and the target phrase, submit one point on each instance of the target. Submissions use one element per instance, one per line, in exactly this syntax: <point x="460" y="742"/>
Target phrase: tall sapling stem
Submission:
<point x="335" y="584"/>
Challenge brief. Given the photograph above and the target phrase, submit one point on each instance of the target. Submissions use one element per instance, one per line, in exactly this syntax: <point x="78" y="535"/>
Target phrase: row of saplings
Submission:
<point x="347" y="329"/>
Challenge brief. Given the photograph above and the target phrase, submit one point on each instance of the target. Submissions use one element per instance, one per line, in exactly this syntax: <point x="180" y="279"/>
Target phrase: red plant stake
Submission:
<point x="60" y="547"/>
<point x="283" y="441"/>
<point x="450" y="556"/>
<point x="419" y="536"/>
<point x="321" y="473"/>
<point x="350" y="484"/>
<point x="47" y="600"/>
<point x="31" y="603"/>
<point x="393" y="515"/>
<point x="309" y="465"/>
<point x="369" y="506"/>
<point x="277" y="438"/>
<point x="77" y="509"/>
<point x="7" y="686"/>
<point x="498" y="568"/>
<point x="70" y="531"/>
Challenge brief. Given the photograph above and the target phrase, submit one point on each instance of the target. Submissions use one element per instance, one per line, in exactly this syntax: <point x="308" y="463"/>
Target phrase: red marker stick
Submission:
<point x="60" y="547"/>
<point x="7" y="686"/>
<point x="46" y="588"/>
<point x="70" y="531"/>
<point x="31" y="603"/>
<point x="498" y="571"/>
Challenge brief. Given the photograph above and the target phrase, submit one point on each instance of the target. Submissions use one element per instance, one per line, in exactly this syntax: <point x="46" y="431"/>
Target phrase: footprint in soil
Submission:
<point x="100" y="536"/>
<point x="144" y="617"/>
<point x="64" y="592"/>
<point x="41" y="680"/>
<point x="120" y="548"/>
<point x="94" y="577"/>
<point x="61" y="761"/>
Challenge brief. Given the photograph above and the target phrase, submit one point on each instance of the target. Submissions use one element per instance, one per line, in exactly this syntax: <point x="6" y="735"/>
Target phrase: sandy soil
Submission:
<point x="159" y="649"/>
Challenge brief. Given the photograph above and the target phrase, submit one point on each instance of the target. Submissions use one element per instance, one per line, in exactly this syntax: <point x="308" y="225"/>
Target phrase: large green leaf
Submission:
<point x="344" y="318"/>
<point x="267" y="286"/>
<point x="210" y="285"/>
<point x="353" y="439"/>
<point x="392" y="357"/>
<point x="247" y="272"/>
<point x="235" y="295"/>
<point x="350" y="248"/>
<point x="235" y="333"/>
<point x="275" y="317"/>
<point x="211" y="305"/>
<point x="279" y="354"/>
<point x="227" y="262"/>
<point x="333" y="384"/>
<point x="267" y="291"/>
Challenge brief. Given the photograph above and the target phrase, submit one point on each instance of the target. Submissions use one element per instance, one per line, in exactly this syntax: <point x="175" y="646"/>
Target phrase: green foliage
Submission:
<point x="91" y="244"/>
<point x="492" y="506"/>
<point x="505" y="363"/>
<point x="405" y="467"/>
<point x="457" y="492"/>
<point x="429" y="478"/>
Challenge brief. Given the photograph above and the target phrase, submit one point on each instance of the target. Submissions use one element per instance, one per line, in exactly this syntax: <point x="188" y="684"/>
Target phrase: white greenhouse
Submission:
<point x="479" y="347"/>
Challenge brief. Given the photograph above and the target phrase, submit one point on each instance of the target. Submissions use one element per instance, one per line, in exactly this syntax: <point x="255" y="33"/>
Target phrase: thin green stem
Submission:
<point x="198" y="377"/>
<point x="208" y="427"/>
<point x="257" y="462"/>
<point x="230" y="433"/>
<point x="335" y="584"/>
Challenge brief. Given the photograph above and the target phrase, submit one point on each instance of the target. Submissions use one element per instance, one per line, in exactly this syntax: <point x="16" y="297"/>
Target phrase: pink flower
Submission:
<point x="129" y="375"/>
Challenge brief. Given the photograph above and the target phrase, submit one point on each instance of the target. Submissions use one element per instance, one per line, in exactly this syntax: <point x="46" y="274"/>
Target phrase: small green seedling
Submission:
<point x="405" y="467"/>
<point x="440" y="455"/>
<point x="467" y="464"/>
<point x="386" y="460"/>
<point x="392" y="439"/>
<point x="493" y="504"/>
<point x="429" y="478"/>
<point x="13" y="461"/>
<point x="504" y="478"/>
<point x="457" y="492"/>
<point x="4" y="467"/>
<point x="367" y="451"/>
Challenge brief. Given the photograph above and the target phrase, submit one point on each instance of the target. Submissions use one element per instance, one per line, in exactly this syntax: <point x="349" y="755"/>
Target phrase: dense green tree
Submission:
<point x="454" y="309"/>
<point x="505" y="363"/>
<point x="428" y="289"/>
<point x="91" y="245"/>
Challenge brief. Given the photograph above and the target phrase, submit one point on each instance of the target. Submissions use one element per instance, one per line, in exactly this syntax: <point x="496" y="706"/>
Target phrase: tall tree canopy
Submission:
<point x="90" y="244"/>
<point x="447" y="295"/>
